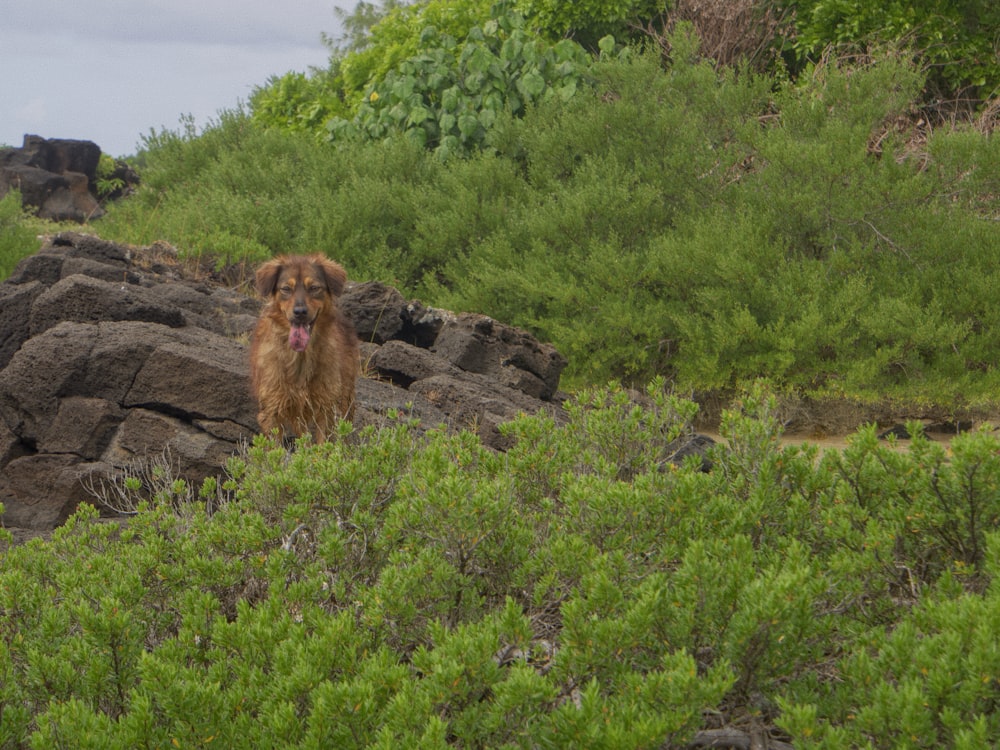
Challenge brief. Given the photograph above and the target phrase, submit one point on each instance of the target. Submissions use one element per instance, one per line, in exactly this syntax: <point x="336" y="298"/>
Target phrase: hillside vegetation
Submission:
<point x="794" y="198"/>
<point x="665" y="216"/>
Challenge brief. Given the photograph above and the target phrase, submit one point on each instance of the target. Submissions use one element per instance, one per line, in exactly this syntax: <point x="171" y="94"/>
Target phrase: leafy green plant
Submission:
<point x="926" y="682"/>
<point x="297" y="102"/>
<point x="449" y="95"/>
<point x="955" y="39"/>
<point x="944" y="504"/>
<point x="107" y="183"/>
<point x="397" y="35"/>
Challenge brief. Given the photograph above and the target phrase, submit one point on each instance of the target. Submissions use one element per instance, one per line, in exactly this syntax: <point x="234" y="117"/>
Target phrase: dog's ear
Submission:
<point x="267" y="277"/>
<point x="334" y="274"/>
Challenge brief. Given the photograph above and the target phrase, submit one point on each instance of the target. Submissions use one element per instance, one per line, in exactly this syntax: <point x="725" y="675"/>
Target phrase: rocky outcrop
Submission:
<point x="111" y="355"/>
<point x="57" y="178"/>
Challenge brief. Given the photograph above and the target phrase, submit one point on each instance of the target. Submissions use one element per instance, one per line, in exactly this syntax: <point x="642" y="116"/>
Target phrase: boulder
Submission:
<point x="469" y="401"/>
<point x="59" y="197"/>
<point x="57" y="178"/>
<point x="477" y="343"/>
<point x="146" y="435"/>
<point x="203" y="378"/>
<point x="82" y="426"/>
<point x="375" y="309"/>
<point x="54" y="155"/>
<point x="15" y="312"/>
<point x="86" y="299"/>
<point x="381" y="314"/>
<point x="403" y="364"/>
<point x="41" y="491"/>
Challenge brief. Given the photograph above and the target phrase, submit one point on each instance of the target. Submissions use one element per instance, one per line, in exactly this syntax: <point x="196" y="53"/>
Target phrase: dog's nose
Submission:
<point x="300" y="310"/>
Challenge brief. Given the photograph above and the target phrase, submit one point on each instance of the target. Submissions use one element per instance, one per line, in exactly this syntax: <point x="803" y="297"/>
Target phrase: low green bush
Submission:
<point x="240" y="192"/>
<point x="396" y="589"/>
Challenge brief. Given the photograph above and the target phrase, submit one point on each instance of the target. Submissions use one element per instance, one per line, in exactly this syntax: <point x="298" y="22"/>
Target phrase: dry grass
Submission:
<point x="731" y="31"/>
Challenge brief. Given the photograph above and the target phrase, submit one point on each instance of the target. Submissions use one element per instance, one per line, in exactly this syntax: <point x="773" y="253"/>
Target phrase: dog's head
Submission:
<point x="301" y="287"/>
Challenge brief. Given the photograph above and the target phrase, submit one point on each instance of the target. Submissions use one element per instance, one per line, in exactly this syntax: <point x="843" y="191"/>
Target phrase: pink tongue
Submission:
<point x="298" y="338"/>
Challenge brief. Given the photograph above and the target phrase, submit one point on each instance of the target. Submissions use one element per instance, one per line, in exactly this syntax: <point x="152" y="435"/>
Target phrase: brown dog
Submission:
<point x="304" y="359"/>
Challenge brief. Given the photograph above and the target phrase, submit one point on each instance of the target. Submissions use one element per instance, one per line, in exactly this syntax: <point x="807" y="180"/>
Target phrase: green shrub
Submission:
<point x="448" y="95"/>
<point x="710" y="226"/>
<point x="927" y="682"/>
<point x="955" y="39"/>
<point x="17" y="240"/>
<point x="398" y="36"/>
<point x="591" y="20"/>
<point x="296" y="102"/>
<point x="241" y="192"/>
<point x="399" y="588"/>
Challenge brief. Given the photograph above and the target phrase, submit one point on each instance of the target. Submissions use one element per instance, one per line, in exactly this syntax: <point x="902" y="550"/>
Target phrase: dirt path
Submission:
<point x="833" y="442"/>
<point x="838" y="442"/>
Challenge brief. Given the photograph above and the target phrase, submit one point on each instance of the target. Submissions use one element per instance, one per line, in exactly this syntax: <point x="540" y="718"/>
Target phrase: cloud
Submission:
<point x="112" y="70"/>
<point x="237" y="22"/>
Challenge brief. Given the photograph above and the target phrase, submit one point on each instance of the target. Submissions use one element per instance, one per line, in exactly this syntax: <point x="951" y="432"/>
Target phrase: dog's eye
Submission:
<point x="285" y="289"/>
<point x="316" y="289"/>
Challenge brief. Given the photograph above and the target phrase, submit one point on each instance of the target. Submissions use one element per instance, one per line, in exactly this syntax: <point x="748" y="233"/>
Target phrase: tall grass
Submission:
<point x="17" y="239"/>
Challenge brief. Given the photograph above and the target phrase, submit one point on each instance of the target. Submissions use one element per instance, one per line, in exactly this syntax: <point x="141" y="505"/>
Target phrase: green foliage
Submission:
<point x="357" y="24"/>
<point x="706" y="225"/>
<point x="929" y="682"/>
<point x="17" y="239"/>
<point x="240" y="192"/>
<point x="590" y="20"/>
<point x="398" y="36"/>
<point x="666" y="247"/>
<point x="106" y="182"/>
<point x="449" y="95"/>
<point x="955" y="39"/>
<point x="403" y="589"/>
<point x="296" y="102"/>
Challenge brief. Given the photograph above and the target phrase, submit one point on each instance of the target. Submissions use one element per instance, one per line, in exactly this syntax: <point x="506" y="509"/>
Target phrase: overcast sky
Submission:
<point x="109" y="71"/>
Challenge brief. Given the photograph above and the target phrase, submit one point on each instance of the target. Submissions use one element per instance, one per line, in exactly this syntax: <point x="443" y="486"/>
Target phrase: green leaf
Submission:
<point x="418" y="115"/>
<point x="402" y="88"/>
<point x="478" y="60"/>
<point x="511" y="49"/>
<point x="451" y="98"/>
<point x="447" y="122"/>
<point x="531" y="84"/>
<point x="468" y="124"/>
<point x="474" y="82"/>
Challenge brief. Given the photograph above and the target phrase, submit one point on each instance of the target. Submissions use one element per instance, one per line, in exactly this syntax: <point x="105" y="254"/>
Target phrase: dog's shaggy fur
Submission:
<point x="304" y="359"/>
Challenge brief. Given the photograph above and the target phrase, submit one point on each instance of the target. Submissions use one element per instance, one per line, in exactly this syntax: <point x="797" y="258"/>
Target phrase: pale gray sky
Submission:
<point x="108" y="71"/>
